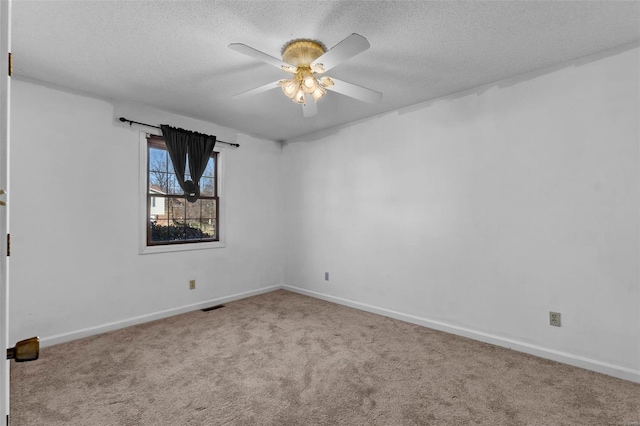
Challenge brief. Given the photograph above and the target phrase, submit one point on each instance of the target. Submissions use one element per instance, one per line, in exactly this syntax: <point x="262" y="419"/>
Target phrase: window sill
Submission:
<point x="170" y="248"/>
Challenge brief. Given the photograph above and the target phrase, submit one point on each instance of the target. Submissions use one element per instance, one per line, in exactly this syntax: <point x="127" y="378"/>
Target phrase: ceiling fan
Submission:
<point x="306" y="60"/>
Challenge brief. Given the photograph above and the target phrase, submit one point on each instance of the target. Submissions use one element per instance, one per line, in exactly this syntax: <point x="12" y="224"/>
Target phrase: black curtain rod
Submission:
<point x="157" y="127"/>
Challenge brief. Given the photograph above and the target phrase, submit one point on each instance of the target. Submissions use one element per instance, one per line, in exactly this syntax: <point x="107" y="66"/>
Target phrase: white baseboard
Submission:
<point x="90" y="331"/>
<point x="563" y="357"/>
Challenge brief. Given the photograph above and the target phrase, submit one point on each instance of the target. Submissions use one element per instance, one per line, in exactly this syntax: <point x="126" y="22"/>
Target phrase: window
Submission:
<point x="170" y="218"/>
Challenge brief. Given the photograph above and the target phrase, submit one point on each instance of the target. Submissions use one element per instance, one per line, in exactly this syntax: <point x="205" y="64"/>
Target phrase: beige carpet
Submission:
<point x="286" y="359"/>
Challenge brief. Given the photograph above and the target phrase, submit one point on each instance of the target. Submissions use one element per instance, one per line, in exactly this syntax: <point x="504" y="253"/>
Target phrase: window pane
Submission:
<point x="158" y="160"/>
<point x="175" y="210"/>
<point x="157" y="208"/>
<point x="158" y="182"/>
<point x="208" y="172"/>
<point x="209" y="208"/>
<point x="193" y="209"/>
<point x="197" y="230"/>
<point x="193" y="231"/>
<point x="207" y="187"/>
<point x="159" y="231"/>
<point x="174" y="186"/>
<point x="170" y="203"/>
<point x="169" y="164"/>
<point x="208" y="227"/>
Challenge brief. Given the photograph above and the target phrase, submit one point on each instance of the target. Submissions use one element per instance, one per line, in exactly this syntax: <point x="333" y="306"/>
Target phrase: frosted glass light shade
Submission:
<point x="318" y="93"/>
<point x="299" y="98"/>
<point x="289" y="87"/>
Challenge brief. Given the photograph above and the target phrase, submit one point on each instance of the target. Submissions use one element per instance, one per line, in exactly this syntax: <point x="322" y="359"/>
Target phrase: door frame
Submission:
<point x="5" y="106"/>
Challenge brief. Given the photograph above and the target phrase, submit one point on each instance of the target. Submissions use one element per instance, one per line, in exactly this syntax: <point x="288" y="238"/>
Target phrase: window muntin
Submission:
<point x="171" y="219"/>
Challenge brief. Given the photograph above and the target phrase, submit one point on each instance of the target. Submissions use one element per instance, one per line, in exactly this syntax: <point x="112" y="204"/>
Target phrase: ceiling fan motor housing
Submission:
<point x="302" y="52"/>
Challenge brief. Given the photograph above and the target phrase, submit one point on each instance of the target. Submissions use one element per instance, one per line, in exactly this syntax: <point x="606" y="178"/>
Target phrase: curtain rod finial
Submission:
<point x="122" y="119"/>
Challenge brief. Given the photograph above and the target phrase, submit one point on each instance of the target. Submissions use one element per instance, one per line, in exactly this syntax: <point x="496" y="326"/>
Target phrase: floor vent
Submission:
<point x="212" y="308"/>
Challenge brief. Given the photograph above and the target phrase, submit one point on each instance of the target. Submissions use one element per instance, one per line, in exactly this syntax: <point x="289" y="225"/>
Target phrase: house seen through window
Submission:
<point x="171" y="218"/>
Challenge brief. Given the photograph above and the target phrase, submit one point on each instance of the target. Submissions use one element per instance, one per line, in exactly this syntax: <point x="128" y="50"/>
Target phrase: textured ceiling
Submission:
<point x="173" y="55"/>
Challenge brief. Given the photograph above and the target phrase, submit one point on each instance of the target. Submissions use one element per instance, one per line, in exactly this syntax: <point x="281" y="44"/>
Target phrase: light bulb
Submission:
<point x="310" y="82"/>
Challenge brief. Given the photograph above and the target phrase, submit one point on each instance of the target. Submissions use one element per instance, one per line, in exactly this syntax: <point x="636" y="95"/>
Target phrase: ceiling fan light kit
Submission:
<point x="302" y="83"/>
<point x="301" y="54"/>
<point x="305" y="58"/>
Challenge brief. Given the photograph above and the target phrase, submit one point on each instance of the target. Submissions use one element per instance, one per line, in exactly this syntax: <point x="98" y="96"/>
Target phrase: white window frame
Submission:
<point x="142" y="207"/>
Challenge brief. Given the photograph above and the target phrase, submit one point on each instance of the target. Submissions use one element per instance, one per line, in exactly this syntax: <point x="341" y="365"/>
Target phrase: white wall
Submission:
<point x="476" y="214"/>
<point x="480" y="213"/>
<point x="75" y="267"/>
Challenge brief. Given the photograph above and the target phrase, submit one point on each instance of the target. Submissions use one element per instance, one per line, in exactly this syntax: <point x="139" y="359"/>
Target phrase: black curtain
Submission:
<point x="177" y="143"/>
<point x="198" y="147"/>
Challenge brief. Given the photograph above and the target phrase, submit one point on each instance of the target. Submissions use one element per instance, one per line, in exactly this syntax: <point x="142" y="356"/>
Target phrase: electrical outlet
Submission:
<point x="554" y="319"/>
<point x="192" y="284"/>
<point x="326" y="276"/>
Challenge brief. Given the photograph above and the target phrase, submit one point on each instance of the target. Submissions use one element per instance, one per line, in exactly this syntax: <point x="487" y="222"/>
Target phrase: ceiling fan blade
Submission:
<point x="257" y="90"/>
<point x="310" y="108"/>
<point x="354" y="91"/>
<point x="347" y="48"/>
<point x="261" y="56"/>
